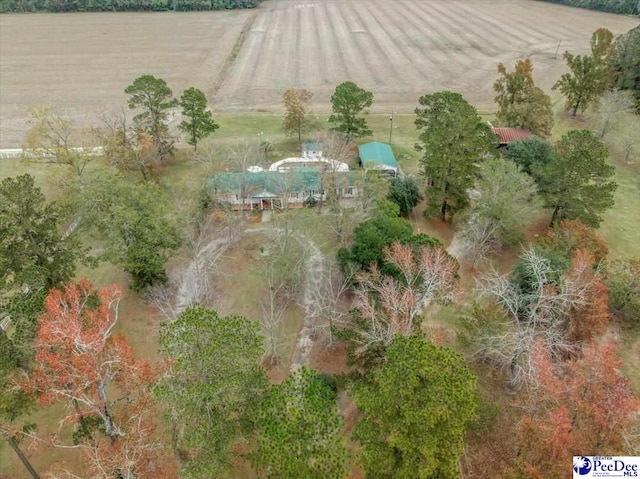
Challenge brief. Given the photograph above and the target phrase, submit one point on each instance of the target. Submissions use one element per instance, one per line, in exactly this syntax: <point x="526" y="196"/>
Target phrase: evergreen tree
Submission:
<point x="199" y="122"/>
<point x="348" y="102"/>
<point x="416" y="408"/>
<point x="154" y="98"/>
<point x="213" y="387"/>
<point x="576" y="184"/>
<point x="299" y="430"/>
<point x="453" y="141"/>
<point x="530" y="153"/>
<point x="405" y="193"/>
<point x="625" y="63"/>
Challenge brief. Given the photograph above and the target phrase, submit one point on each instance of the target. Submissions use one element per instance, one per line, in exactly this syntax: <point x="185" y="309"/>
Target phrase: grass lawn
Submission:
<point x="44" y="175"/>
<point x="240" y="288"/>
<point x="40" y="455"/>
<point x="621" y="225"/>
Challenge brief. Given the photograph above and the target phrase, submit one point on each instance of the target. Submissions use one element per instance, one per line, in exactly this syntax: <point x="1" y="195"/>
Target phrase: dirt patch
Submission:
<point x="331" y="360"/>
<point x="442" y="230"/>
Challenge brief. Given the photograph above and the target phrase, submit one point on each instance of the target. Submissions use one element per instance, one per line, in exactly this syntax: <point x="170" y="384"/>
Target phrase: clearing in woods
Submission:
<point x="245" y="59"/>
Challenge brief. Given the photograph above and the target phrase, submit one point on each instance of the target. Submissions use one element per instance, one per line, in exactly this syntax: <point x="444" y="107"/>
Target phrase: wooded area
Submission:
<point x="23" y="6"/>
<point x="613" y="6"/>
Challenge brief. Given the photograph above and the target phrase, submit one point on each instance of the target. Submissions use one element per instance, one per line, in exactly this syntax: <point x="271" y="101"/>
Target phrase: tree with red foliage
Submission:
<point x="137" y="454"/>
<point x="580" y="407"/>
<point x="571" y="235"/>
<point x="589" y="319"/>
<point x="81" y="361"/>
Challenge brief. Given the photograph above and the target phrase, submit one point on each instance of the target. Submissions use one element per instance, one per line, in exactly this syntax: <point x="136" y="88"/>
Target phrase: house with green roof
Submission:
<point x="378" y="157"/>
<point x="260" y="190"/>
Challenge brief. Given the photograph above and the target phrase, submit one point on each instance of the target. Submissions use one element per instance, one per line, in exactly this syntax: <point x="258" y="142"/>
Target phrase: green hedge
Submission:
<point x="614" y="6"/>
<point x="121" y="5"/>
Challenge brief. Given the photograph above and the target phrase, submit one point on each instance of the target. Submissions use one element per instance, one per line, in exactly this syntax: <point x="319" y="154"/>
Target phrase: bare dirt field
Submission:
<point x="245" y="59"/>
<point x="82" y="62"/>
<point x="403" y="49"/>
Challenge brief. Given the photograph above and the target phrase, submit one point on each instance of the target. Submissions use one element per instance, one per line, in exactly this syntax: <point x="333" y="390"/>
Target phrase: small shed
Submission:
<point x="378" y="156"/>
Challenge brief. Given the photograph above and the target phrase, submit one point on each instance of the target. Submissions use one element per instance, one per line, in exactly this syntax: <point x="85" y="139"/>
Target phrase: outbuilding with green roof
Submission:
<point x="378" y="156"/>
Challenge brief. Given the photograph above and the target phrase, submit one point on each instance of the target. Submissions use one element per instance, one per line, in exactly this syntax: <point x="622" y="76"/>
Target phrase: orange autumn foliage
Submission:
<point x="580" y="407"/>
<point x="591" y="318"/>
<point x="571" y="235"/>
<point x="80" y="360"/>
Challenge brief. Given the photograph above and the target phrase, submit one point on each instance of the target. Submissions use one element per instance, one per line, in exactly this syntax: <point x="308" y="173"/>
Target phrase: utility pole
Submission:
<point x="557" y="48"/>
<point x="391" y="127"/>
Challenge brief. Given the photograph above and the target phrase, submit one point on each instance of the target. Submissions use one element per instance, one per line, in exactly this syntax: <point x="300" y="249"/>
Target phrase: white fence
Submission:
<point x="10" y="153"/>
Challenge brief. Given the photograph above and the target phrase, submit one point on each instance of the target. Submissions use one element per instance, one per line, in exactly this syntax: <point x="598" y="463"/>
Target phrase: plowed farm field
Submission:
<point x="244" y="60"/>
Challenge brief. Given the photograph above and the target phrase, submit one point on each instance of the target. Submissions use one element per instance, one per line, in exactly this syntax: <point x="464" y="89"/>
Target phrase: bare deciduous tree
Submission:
<point x="330" y="294"/>
<point x="629" y="140"/>
<point x="392" y="305"/>
<point x="53" y="138"/>
<point x="127" y="148"/>
<point x="479" y="238"/>
<point x="273" y="304"/>
<point x="546" y="312"/>
<point x="611" y="105"/>
<point x="282" y="269"/>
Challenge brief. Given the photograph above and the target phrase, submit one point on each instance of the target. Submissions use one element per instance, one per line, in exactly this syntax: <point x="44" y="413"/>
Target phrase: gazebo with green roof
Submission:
<point x="378" y="156"/>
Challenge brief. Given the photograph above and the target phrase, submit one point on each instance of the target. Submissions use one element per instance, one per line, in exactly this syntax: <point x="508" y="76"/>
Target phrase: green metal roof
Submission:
<point x="378" y="153"/>
<point x="275" y="182"/>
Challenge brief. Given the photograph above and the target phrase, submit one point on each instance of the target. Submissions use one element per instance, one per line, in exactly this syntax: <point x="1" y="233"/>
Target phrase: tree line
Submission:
<point x="614" y="6"/>
<point x="60" y="6"/>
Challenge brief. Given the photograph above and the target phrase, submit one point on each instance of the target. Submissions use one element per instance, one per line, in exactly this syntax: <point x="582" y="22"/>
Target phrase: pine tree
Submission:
<point x="199" y="122"/>
<point x="453" y="141"/>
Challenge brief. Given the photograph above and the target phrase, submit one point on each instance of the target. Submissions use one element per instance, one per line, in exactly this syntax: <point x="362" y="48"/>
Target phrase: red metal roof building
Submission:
<point x="507" y="135"/>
